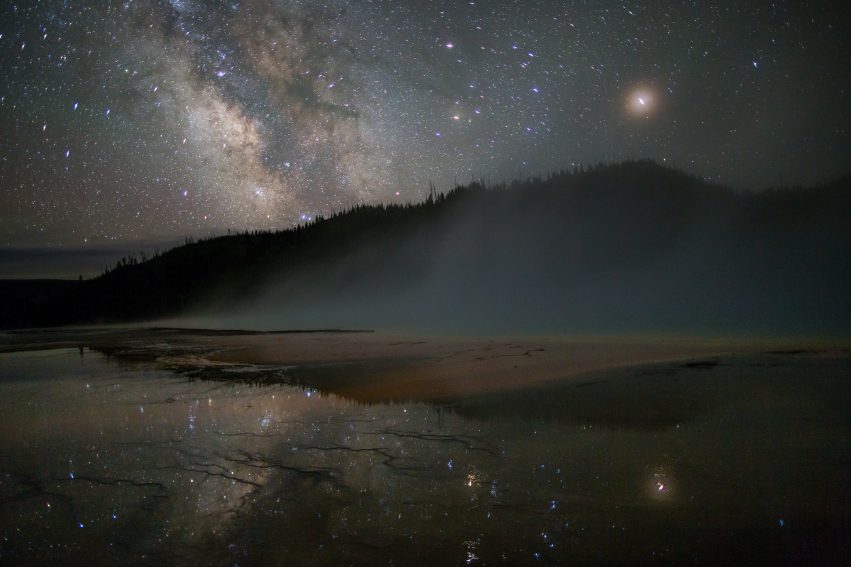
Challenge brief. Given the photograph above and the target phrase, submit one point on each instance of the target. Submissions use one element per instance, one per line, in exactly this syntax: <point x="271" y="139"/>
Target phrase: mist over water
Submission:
<point x="622" y="250"/>
<point x="631" y="248"/>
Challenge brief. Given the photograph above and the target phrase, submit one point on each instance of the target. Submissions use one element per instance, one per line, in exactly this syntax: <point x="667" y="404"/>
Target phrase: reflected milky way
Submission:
<point x="134" y="461"/>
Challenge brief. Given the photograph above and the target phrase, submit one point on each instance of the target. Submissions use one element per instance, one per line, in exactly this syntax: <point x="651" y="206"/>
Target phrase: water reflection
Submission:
<point x="128" y="463"/>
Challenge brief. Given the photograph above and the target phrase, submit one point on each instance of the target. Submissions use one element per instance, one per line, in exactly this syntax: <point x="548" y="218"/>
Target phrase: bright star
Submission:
<point x="641" y="102"/>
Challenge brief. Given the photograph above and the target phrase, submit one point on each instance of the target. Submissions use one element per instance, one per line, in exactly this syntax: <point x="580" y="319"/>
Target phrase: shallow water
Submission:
<point x="740" y="459"/>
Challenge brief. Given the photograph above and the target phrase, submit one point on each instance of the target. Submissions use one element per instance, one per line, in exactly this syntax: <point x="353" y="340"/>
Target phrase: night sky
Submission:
<point x="145" y="121"/>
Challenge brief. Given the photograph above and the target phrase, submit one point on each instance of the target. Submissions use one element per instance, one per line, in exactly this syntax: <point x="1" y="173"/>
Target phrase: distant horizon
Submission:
<point x="148" y="122"/>
<point x="56" y="261"/>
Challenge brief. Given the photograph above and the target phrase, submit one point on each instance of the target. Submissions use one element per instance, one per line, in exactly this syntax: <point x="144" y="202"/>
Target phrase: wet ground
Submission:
<point x="120" y="457"/>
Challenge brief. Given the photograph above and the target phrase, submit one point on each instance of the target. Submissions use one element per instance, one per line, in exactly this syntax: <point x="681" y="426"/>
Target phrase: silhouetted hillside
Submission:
<point x="628" y="247"/>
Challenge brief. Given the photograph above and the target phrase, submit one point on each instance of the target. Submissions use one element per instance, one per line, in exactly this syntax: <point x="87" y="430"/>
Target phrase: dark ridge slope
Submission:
<point x="634" y="246"/>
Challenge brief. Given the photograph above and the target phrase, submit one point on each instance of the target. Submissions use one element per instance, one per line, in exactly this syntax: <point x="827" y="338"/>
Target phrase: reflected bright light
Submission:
<point x="661" y="483"/>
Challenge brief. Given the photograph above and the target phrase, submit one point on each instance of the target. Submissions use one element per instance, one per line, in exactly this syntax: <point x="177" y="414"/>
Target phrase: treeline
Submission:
<point x="433" y="198"/>
<point x="632" y="240"/>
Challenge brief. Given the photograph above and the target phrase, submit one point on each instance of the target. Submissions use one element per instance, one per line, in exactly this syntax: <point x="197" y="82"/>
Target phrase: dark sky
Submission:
<point x="145" y="121"/>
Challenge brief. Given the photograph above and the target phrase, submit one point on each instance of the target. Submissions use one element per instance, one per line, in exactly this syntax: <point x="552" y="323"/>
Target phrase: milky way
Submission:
<point x="132" y="121"/>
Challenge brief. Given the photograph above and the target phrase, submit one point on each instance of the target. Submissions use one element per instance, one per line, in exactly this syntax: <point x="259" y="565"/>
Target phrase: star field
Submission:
<point x="131" y="121"/>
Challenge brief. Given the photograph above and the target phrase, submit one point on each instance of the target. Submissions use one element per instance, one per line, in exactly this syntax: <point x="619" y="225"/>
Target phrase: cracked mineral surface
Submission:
<point x="159" y="448"/>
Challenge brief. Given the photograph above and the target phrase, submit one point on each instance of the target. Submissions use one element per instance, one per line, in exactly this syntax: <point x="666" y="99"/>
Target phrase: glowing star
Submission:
<point x="641" y="102"/>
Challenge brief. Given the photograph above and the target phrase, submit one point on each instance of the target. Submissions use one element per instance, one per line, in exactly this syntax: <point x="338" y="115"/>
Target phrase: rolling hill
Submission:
<point x="621" y="248"/>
